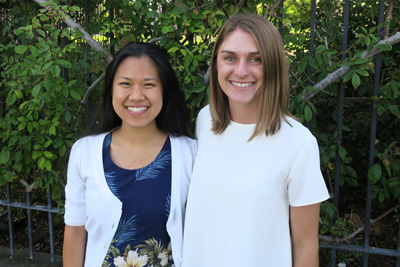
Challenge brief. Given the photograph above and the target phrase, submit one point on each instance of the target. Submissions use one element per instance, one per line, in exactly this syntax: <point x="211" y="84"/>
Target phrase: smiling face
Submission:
<point x="137" y="96"/>
<point x="240" y="74"/>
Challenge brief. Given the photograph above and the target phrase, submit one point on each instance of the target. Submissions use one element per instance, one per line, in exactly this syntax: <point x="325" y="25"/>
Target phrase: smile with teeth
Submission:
<point x="242" y="85"/>
<point x="137" y="109"/>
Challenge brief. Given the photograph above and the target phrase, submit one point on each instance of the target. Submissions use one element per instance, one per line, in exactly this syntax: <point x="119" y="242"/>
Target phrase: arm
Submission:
<point x="74" y="246"/>
<point x="304" y="222"/>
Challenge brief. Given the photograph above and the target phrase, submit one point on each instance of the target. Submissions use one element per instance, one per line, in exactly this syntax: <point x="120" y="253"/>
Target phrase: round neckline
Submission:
<point x="243" y="124"/>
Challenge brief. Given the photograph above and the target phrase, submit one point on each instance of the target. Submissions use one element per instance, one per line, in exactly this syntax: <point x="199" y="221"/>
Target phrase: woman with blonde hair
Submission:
<point x="256" y="185"/>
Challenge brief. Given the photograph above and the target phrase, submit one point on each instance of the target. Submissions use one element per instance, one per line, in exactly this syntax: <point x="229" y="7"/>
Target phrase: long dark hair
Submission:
<point x="174" y="115"/>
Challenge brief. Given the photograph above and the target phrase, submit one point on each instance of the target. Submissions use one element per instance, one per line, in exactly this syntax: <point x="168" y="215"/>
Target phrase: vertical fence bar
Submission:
<point x="346" y="11"/>
<point x="64" y="44"/>
<point x="312" y="39"/>
<point x="280" y="21"/>
<point x="30" y="221"/>
<point x="10" y="221"/>
<point x="373" y="138"/>
<point x="87" y="49"/>
<point x="311" y="48"/>
<point x="2" y="99"/>
<point x="112" y="48"/>
<point x="51" y="230"/>
<point x="398" y="246"/>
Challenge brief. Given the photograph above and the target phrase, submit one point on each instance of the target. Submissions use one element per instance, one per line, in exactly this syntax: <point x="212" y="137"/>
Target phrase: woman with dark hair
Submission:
<point x="256" y="184"/>
<point x="127" y="183"/>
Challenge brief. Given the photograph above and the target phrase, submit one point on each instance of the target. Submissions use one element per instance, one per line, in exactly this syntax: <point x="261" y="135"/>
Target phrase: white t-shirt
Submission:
<point x="238" y="205"/>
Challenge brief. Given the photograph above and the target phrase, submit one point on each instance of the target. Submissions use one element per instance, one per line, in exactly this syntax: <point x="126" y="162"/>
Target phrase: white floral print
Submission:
<point x="133" y="260"/>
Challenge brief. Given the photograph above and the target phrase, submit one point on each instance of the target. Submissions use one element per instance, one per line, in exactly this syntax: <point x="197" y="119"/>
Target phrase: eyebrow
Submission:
<point x="129" y="79"/>
<point x="232" y="52"/>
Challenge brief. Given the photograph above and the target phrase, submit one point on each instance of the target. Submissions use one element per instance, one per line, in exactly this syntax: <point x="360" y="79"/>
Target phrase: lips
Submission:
<point x="242" y="85"/>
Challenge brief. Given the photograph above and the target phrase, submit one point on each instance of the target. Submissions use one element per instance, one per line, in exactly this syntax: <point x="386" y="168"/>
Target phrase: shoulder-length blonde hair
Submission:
<point x="274" y="93"/>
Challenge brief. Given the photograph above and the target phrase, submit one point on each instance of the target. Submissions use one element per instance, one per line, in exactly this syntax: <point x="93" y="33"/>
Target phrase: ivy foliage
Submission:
<point x="47" y="67"/>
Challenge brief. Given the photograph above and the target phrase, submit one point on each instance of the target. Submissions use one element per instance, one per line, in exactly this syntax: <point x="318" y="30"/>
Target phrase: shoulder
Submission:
<point x="293" y="128"/>
<point x="88" y="141"/>
<point x="184" y="141"/>
<point x="204" y="114"/>
<point x="204" y="120"/>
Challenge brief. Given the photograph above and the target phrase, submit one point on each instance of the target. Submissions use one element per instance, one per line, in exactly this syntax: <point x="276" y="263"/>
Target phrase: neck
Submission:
<point x="243" y="114"/>
<point x="138" y="137"/>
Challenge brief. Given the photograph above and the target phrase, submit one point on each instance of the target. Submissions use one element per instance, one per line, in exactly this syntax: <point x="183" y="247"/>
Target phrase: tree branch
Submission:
<point x="333" y="76"/>
<point x="86" y="97"/>
<point x="357" y="231"/>
<point x="86" y="36"/>
<point x="273" y="8"/>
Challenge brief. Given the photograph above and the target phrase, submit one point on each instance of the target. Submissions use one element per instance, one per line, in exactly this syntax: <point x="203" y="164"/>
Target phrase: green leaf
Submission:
<point x="62" y="150"/>
<point x="362" y="72"/>
<point x="381" y="196"/>
<point x="314" y="63"/>
<point x="351" y="181"/>
<point x="42" y="33"/>
<point x="138" y="5"/>
<point x="355" y="80"/>
<point x="177" y="10"/>
<point x="47" y="165"/>
<point x="302" y="66"/>
<point x="47" y="144"/>
<point x="18" y="94"/>
<point x="395" y="109"/>
<point x="20" y="49"/>
<point x="34" y="51"/>
<point x="4" y="156"/>
<point x="307" y="113"/>
<point x="9" y="176"/>
<point x="374" y="173"/>
<point x="173" y="49"/>
<point x="384" y="47"/>
<point x="64" y="63"/>
<point x="361" y="61"/>
<point x="75" y="94"/>
<point x="56" y="70"/>
<point x="219" y="12"/>
<point x="36" y="90"/>
<point x="41" y="162"/>
<point x="68" y="117"/>
<point x="48" y="154"/>
<point x="36" y="154"/>
<point x="311" y="88"/>
<point x="165" y="29"/>
<point x="342" y="152"/>
<point x="52" y="130"/>
<point x="348" y="76"/>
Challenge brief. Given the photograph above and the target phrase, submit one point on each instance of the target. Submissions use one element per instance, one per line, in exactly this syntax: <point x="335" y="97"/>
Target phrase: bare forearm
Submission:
<point x="305" y="256"/>
<point x="74" y="246"/>
<point x="304" y="234"/>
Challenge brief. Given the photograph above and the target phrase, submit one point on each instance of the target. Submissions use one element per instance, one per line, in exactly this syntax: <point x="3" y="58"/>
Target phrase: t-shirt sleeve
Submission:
<point x="75" y="208"/>
<point x="306" y="185"/>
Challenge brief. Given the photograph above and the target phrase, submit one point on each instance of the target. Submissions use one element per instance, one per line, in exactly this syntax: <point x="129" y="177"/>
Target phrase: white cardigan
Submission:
<point x="90" y="203"/>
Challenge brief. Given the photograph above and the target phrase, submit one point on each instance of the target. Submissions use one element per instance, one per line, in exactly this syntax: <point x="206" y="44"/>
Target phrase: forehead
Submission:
<point x="239" y="41"/>
<point x="142" y="65"/>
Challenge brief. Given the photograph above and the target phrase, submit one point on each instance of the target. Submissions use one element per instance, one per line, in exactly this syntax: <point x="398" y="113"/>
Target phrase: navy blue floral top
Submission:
<point x="141" y="238"/>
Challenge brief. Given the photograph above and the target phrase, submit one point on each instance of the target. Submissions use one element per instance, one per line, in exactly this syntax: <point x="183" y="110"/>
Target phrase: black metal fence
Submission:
<point x="334" y="247"/>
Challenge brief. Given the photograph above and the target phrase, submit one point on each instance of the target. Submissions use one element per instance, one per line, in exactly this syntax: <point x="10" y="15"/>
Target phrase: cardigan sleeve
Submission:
<point x="75" y="208"/>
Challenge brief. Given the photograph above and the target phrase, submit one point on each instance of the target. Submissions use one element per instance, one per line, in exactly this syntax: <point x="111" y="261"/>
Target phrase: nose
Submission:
<point x="241" y="68"/>
<point x="136" y="94"/>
